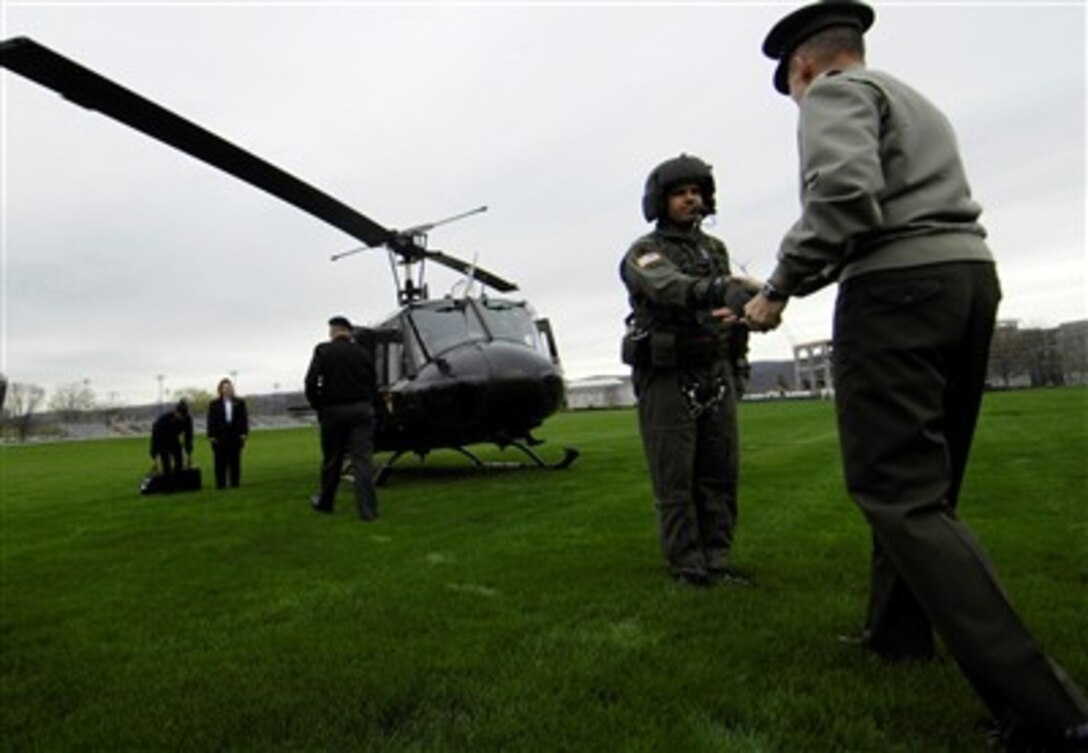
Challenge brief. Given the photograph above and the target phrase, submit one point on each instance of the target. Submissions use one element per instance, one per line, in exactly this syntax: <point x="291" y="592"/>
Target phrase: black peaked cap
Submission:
<point x="791" y="31"/>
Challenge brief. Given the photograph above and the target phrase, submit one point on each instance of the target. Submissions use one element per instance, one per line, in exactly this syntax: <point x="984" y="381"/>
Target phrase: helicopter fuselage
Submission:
<point x="455" y="372"/>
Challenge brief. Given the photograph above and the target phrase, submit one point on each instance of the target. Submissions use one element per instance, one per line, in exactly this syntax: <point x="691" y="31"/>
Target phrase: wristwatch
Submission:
<point x="773" y="294"/>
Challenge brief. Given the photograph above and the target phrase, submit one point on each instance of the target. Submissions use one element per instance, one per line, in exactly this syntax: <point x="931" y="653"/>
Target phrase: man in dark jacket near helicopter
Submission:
<point x="340" y="386"/>
<point x="686" y="347"/>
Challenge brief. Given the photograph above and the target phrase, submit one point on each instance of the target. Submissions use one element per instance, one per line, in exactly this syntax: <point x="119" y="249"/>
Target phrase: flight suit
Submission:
<point x="887" y="211"/>
<point x="683" y="373"/>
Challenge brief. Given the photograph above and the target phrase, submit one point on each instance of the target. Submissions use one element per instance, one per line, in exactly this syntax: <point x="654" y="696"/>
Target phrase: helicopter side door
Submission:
<point x="544" y="327"/>
<point x="386" y="345"/>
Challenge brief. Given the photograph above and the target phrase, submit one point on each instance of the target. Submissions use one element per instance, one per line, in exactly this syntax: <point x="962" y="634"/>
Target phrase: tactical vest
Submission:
<point x="677" y="337"/>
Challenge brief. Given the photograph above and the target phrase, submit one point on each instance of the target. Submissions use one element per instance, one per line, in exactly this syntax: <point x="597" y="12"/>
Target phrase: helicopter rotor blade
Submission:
<point x="88" y="89"/>
<point x="488" y="278"/>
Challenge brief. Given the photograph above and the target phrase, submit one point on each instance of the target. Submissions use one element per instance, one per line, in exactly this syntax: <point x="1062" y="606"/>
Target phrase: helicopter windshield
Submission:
<point x="511" y="321"/>
<point x="444" y="326"/>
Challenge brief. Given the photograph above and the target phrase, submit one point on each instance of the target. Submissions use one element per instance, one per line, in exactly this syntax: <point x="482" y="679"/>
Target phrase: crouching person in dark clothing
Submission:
<point x="170" y="434"/>
<point x="340" y="386"/>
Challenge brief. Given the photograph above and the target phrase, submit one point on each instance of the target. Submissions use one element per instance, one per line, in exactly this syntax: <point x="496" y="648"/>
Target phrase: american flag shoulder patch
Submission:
<point x="648" y="258"/>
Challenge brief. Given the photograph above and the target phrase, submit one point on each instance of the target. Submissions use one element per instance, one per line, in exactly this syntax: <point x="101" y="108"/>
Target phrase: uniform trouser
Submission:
<point x="228" y="461"/>
<point x="909" y="363"/>
<point x="693" y="463"/>
<point x="348" y="429"/>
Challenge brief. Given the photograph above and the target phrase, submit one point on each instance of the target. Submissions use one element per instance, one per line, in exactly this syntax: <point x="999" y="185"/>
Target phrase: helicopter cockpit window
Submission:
<point x="444" y="326"/>
<point x="513" y="322"/>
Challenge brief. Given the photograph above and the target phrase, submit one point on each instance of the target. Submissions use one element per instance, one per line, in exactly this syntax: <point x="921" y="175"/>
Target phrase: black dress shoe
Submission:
<point x="315" y="504"/>
<point x="728" y="576"/>
<point x="897" y="654"/>
<point x="1015" y="738"/>
<point x="692" y="578"/>
<point x="1000" y="735"/>
<point x="1076" y="738"/>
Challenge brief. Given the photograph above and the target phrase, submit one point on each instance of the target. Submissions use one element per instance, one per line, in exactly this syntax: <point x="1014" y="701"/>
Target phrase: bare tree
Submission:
<point x="1026" y="357"/>
<point x="23" y="401"/>
<point x="1009" y="355"/>
<point x="197" y="398"/>
<point x="72" y="400"/>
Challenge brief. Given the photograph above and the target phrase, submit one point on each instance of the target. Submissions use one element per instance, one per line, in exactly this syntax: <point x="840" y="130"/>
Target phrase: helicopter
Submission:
<point x="452" y="371"/>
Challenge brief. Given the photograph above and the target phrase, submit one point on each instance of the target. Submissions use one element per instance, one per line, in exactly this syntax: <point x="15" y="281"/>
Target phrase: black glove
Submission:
<point x="736" y="296"/>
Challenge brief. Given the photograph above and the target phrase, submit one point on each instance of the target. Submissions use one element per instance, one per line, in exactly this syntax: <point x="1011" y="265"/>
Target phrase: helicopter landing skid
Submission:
<point x="383" y="472"/>
<point x="569" y="456"/>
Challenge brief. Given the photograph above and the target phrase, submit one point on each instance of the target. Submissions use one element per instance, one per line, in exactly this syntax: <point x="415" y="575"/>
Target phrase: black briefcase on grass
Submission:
<point x="185" y="480"/>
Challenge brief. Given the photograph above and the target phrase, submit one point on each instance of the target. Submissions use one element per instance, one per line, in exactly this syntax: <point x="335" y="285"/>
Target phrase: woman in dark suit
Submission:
<point x="228" y="425"/>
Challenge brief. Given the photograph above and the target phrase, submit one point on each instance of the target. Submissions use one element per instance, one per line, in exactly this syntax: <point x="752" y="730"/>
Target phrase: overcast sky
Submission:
<point x="124" y="259"/>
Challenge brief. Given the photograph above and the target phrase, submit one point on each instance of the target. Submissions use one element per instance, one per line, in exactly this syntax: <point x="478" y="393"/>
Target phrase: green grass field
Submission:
<point x="505" y="610"/>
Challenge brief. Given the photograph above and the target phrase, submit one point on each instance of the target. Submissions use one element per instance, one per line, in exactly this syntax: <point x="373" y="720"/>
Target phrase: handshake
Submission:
<point x="745" y="300"/>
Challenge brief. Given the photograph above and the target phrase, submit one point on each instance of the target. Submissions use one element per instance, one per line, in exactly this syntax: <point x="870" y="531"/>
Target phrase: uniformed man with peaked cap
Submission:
<point x="887" y="213"/>
<point x="685" y="347"/>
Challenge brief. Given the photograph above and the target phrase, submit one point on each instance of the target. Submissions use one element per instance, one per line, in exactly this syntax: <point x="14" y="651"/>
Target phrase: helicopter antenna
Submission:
<point x="470" y="278"/>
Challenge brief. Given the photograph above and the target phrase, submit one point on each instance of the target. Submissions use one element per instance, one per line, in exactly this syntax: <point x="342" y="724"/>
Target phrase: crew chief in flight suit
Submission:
<point x="683" y="344"/>
<point x="886" y="211"/>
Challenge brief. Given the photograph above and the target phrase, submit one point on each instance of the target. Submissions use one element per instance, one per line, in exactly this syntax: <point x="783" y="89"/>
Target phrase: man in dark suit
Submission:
<point x="341" y="387"/>
<point x="228" y="426"/>
<point x="170" y="432"/>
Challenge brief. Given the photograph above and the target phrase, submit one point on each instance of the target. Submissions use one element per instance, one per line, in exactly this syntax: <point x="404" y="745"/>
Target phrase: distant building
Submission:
<point x="772" y="377"/>
<point x="1019" y="357"/>
<point x="1035" y="357"/>
<point x="1072" y="343"/>
<point x="600" y="392"/>
<point x="812" y="366"/>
